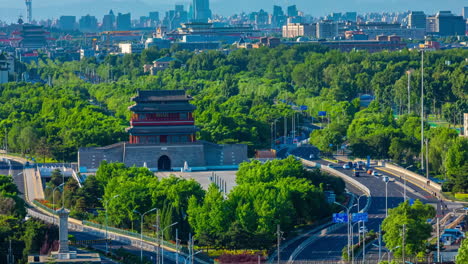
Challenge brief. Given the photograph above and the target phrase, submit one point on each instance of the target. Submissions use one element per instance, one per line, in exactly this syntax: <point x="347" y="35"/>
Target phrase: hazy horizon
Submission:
<point x="44" y="9"/>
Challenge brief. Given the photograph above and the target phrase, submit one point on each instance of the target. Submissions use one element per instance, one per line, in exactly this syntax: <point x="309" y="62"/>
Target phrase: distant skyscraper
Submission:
<point x="108" y="22"/>
<point x="465" y="12"/>
<point x="124" y="21"/>
<point x="327" y="29"/>
<point x="350" y="16"/>
<point x="447" y="24"/>
<point x="29" y="10"/>
<point x="417" y="19"/>
<point x="201" y="10"/>
<point x="154" y="16"/>
<point x="67" y="23"/>
<point x="278" y="19"/>
<point x="292" y="11"/>
<point x="88" y="23"/>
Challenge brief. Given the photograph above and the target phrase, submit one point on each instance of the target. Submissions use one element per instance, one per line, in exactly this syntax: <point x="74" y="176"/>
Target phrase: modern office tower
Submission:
<point x="350" y="16"/>
<point x="174" y="18"/>
<point x="447" y="24"/>
<point x="88" y="23"/>
<point x="261" y="18"/>
<point x="108" y="22"/>
<point x="327" y="29"/>
<point x="417" y="19"/>
<point x="335" y="17"/>
<point x="465" y="12"/>
<point x="29" y="10"/>
<point x="67" y="23"/>
<point x="201" y="10"/>
<point x="292" y="11"/>
<point x="154" y="17"/>
<point x="123" y="21"/>
<point x="278" y="18"/>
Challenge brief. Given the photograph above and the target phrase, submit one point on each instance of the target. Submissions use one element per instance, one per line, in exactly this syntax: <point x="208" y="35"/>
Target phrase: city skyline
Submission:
<point x="51" y="9"/>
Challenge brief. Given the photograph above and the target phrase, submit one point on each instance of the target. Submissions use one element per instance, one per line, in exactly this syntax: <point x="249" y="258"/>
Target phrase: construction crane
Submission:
<point x="29" y="10"/>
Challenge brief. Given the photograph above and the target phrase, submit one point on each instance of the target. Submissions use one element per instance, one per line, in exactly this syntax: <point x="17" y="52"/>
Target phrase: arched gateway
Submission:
<point x="164" y="163"/>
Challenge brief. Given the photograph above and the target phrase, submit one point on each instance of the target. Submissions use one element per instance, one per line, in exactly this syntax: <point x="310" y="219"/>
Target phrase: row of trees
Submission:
<point x="26" y="236"/>
<point x="279" y="192"/>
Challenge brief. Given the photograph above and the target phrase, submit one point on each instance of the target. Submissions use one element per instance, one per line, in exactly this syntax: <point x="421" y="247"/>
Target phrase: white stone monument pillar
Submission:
<point x="63" y="230"/>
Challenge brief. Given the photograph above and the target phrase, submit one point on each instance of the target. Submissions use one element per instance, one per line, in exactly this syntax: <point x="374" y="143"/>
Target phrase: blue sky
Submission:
<point x="11" y="9"/>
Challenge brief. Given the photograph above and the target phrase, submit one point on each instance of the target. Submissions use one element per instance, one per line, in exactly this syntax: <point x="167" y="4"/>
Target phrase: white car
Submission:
<point x="346" y="166"/>
<point x="330" y="165"/>
<point x="374" y="173"/>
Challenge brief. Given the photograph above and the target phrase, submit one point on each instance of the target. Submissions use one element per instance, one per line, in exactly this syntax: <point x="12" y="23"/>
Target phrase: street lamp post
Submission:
<point x="161" y="240"/>
<point x="405" y="181"/>
<point x="106" y="202"/>
<point x="358" y="204"/>
<point x="348" y="224"/>
<point x="141" y="230"/>
<point x="53" y="195"/>
<point x="386" y="179"/>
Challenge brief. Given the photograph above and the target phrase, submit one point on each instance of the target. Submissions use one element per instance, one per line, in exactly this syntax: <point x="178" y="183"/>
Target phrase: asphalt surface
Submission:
<point x="17" y="174"/>
<point x="330" y="246"/>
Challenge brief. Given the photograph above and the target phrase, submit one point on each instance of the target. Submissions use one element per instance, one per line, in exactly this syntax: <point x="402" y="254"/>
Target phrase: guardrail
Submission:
<point x="333" y="227"/>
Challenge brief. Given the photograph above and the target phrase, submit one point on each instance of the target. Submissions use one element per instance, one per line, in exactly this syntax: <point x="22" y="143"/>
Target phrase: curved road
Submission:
<point x="330" y="246"/>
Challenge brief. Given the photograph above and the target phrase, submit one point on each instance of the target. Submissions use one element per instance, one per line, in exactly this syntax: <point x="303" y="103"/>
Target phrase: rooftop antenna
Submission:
<point x="29" y="10"/>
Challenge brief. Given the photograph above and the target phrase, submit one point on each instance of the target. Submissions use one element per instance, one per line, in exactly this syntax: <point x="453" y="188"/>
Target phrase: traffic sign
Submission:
<point x="304" y="107"/>
<point x="360" y="217"/>
<point x="340" y="218"/>
<point x="411" y="201"/>
<point x="322" y="113"/>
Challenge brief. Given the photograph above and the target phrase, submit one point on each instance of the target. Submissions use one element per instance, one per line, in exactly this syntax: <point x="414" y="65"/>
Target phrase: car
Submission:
<point x="356" y="173"/>
<point x="363" y="230"/>
<point x="330" y="165"/>
<point x="346" y="166"/>
<point x="374" y="173"/>
<point x="369" y="172"/>
<point x="385" y="178"/>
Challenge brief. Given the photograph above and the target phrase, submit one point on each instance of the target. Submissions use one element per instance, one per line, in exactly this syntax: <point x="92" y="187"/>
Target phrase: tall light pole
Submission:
<point x="53" y="194"/>
<point x="405" y="182"/>
<point x="386" y="179"/>
<point x="141" y="230"/>
<point x="161" y="239"/>
<point x="348" y="224"/>
<point x="106" y="202"/>
<point x="409" y="91"/>
<point x="422" y="109"/>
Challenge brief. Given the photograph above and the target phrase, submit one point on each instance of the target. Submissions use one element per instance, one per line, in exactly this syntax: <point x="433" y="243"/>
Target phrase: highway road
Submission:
<point x="19" y="174"/>
<point x="329" y="247"/>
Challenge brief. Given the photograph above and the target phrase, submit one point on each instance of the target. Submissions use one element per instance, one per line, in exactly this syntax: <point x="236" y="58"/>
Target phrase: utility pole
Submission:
<point x="427" y="158"/>
<point x="422" y="109"/>
<point x="285" y="129"/>
<point x="10" y="256"/>
<point x="278" y="242"/>
<point x="409" y="92"/>
<point x="403" y="248"/>
<point x="380" y="242"/>
<point x="438" y="240"/>
<point x="177" y="245"/>
<point x="157" y="235"/>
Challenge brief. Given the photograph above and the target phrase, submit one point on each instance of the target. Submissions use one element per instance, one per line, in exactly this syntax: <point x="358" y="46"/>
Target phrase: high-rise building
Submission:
<point x="123" y="21"/>
<point x="67" y="23"/>
<point x="299" y="30"/>
<point x="261" y="19"/>
<point x="465" y="12"/>
<point x="201" y="10"/>
<point x="447" y="24"/>
<point x="327" y="29"/>
<point x="277" y="19"/>
<point x="154" y="17"/>
<point x="29" y="10"/>
<point x="350" y="16"/>
<point x="174" y="18"/>
<point x="417" y="19"/>
<point x="108" y="22"/>
<point x="292" y="11"/>
<point x="88" y="23"/>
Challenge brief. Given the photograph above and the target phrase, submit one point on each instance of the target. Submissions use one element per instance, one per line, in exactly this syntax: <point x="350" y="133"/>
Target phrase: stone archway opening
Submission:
<point x="164" y="163"/>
